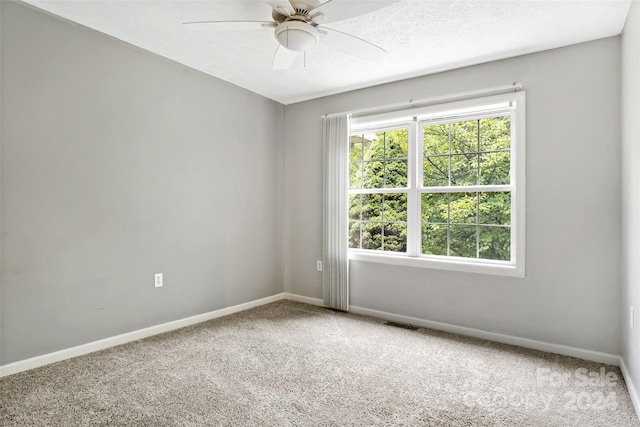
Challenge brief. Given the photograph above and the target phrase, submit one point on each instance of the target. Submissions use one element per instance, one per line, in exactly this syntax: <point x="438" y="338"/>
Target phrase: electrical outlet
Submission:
<point x="158" y="280"/>
<point x="632" y="319"/>
<point x="319" y="265"/>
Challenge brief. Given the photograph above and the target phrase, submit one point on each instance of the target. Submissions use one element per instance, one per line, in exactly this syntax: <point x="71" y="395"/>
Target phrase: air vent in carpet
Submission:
<point x="401" y="325"/>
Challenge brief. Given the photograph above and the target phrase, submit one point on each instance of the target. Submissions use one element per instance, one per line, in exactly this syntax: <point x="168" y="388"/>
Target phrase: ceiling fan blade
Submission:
<point x="230" y="25"/>
<point x="283" y="7"/>
<point x="338" y="10"/>
<point x="284" y="58"/>
<point x="351" y="45"/>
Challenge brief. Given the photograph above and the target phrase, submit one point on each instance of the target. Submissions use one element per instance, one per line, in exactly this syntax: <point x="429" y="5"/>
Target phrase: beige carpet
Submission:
<point x="290" y="364"/>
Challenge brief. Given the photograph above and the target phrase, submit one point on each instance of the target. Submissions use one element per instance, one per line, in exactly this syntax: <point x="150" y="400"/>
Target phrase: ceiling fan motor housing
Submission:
<point x="296" y="35"/>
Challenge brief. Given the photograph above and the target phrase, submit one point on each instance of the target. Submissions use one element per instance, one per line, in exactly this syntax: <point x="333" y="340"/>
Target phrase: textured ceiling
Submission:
<point x="421" y="36"/>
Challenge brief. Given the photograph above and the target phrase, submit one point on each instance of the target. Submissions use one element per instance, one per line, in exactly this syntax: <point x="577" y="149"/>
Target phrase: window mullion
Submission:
<point x="477" y="225"/>
<point x="449" y="199"/>
<point x="413" y="196"/>
<point x="478" y="194"/>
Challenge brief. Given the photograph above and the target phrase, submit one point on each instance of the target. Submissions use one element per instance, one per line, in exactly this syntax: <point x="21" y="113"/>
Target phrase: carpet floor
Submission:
<point x="291" y="364"/>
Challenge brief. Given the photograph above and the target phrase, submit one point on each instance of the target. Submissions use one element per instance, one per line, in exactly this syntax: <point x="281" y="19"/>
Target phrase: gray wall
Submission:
<point x="571" y="293"/>
<point x="631" y="192"/>
<point x="118" y="164"/>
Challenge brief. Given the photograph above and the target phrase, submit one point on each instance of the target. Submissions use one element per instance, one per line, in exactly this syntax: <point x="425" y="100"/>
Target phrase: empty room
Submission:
<point x="320" y="213"/>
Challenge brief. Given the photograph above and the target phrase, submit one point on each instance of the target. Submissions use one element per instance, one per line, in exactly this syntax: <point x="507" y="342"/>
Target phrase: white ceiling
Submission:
<point x="421" y="36"/>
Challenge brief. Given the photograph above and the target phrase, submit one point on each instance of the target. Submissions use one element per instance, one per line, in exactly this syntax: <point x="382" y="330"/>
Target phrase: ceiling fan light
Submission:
<point x="296" y="35"/>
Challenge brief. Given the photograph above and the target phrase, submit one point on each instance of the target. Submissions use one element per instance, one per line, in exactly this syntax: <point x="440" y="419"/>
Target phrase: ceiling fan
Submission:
<point x="297" y="27"/>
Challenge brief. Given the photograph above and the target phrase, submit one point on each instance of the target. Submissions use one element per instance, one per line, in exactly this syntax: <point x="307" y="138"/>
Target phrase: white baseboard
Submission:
<point x="34" y="362"/>
<point x="45" y="359"/>
<point x="595" y="356"/>
<point x="306" y="300"/>
<point x="631" y="387"/>
<point x="57" y="356"/>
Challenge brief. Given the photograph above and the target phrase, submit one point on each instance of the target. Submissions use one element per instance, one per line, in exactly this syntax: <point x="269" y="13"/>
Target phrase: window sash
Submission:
<point x="414" y="120"/>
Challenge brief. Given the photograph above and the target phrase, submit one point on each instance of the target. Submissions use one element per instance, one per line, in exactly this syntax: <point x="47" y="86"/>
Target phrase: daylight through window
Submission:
<point x="442" y="186"/>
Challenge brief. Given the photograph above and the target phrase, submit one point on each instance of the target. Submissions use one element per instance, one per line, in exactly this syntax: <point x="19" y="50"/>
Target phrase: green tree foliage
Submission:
<point x="464" y="224"/>
<point x="474" y="152"/>
<point x="467" y="224"/>
<point x="467" y="153"/>
<point x="379" y="221"/>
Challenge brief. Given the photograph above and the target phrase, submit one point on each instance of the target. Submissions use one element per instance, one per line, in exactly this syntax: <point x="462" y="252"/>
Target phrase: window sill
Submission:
<point x="439" y="264"/>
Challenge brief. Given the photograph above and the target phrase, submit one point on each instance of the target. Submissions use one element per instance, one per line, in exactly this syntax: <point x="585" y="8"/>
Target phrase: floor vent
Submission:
<point x="401" y="325"/>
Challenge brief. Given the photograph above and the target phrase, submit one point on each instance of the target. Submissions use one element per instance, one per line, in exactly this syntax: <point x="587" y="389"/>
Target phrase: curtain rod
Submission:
<point x="413" y="103"/>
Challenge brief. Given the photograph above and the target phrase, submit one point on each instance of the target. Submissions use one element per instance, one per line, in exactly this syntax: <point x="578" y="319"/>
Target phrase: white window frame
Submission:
<point x="489" y="106"/>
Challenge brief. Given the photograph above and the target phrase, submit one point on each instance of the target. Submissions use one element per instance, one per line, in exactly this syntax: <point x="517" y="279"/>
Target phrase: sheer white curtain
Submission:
<point x="335" y="276"/>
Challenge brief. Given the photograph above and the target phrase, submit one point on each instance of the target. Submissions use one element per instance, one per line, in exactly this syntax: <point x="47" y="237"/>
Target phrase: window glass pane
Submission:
<point x="434" y="239"/>
<point x="464" y="137"/>
<point x="397" y="144"/>
<point x="464" y="169"/>
<point x="354" y="234"/>
<point x="462" y="241"/>
<point x="373" y="174"/>
<point x="495" y="208"/>
<point x="355" y="165"/>
<point x="395" y="237"/>
<point x="434" y="207"/>
<point x="371" y="207"/>
<point x="354" y="206"/>
<point x="355" y="175"/>
<point x="355" y="148"/>
<point x="374" y="146"/>
<point x="495" y="134"/>
<point x="436" y="171"/>
<point x="435" y="139"/>
<point x="495" y="243"/>
<point x="462" y="208"/>
<point x="396" y="174"/>
<point x="458" y="154"/>
<point x="366" y="145"/>
<point x="494" y="168"/>
<point x="395" y="207"/>
<point x="372" y="235"/>
<point x="355" y="158"/>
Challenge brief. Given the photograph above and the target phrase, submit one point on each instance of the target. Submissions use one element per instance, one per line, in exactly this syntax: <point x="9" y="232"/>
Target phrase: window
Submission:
<point x="378" y="190"/>
<point x="440" y="186"/>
